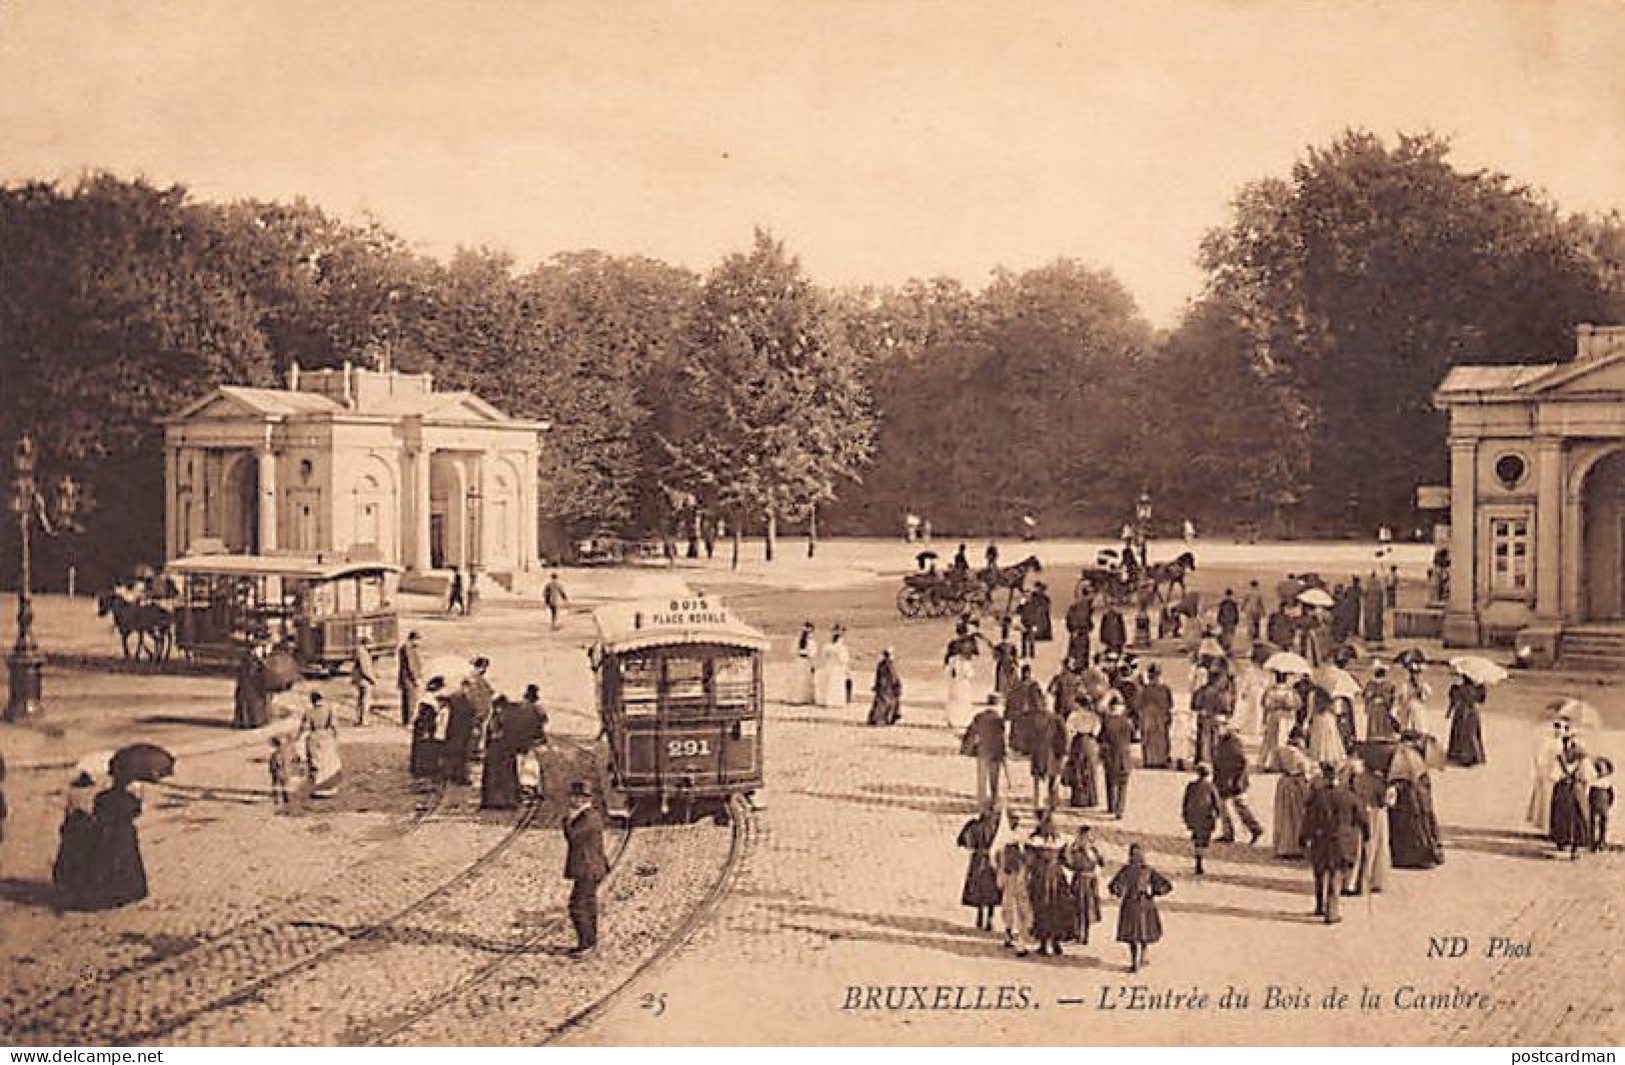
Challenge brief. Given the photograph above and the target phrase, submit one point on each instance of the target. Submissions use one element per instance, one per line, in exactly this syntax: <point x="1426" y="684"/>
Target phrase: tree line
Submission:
<point x="1293" y="392"/>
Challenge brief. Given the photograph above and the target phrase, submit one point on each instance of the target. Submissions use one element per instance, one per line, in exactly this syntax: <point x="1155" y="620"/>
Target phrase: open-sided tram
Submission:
<point x="228" y="602"/>
<point x="680" y="695"/>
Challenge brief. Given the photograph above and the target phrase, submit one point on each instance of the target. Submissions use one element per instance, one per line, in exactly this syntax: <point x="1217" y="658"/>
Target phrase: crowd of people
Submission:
<point x="1355" y="761"/>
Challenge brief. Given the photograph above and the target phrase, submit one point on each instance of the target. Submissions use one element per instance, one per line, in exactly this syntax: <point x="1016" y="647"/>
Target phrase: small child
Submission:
<point x="283" y="766"/>
<point x="1202" y="811"/>
<point x="1600" y="801"/>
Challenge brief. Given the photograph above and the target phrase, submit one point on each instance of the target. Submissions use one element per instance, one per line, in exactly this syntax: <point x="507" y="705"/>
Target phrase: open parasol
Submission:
<point x="1579" y="714"/>
<point x="1315" y="597"/>
<point x="141" y="761"/>
<point x="1289" y="663"/>
<point x="1478" y="670"/>
<point x="1337" y="683"/>
<point x="925" y="556"/>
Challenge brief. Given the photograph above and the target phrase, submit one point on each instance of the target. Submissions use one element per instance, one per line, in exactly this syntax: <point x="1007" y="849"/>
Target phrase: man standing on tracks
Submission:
<point x="585" y="866"/>
<point x="364" y="676"/>
<point x="553" y="596"/>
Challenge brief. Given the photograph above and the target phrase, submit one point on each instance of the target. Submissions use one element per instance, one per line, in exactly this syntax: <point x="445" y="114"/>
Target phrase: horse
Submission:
<point x="1166" y="576"/>
<point x="1009" y="578"/>
<point x="144" y="619"/>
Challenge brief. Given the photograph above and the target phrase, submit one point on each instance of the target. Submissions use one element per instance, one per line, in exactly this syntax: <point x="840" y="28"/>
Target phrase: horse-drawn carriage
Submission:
<point x="1112" y="583"/>
<point x="940" y="593"/>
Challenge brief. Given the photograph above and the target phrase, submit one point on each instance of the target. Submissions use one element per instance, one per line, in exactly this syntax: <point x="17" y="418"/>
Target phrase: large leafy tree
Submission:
<point x="774" y="412"/>
<point x="1368" y="274"/>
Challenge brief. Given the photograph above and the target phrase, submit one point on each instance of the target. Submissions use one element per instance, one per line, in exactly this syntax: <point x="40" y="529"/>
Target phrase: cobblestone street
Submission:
<point x="402" y="915"/>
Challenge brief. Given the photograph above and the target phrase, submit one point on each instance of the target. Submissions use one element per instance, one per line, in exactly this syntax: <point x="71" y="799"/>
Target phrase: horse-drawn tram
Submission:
<point x="680" y="696"/>
<point x="321" y="609"/>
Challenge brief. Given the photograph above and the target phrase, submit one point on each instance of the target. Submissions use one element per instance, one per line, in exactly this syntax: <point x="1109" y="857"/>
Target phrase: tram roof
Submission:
<point x="646" y="623"/>
<point x="274" y="566"/>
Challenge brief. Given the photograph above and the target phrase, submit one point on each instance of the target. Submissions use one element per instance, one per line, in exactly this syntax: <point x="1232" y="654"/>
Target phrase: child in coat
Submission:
<point x="1201" y="811"/>
<point x="1601" y="801"/>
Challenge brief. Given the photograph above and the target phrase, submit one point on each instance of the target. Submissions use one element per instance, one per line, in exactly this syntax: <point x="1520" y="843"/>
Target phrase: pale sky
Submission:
<point x="881" y="140"/>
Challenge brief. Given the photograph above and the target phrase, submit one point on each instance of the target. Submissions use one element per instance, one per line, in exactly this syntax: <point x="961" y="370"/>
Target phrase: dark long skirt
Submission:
<point x="1083" y="771"/>
<point x="981" y="881"/>
<point x="499" y="781"/>
<point x="1138" y="920"/>
<point x="118" y="876"/>
<point x="1466" y="737"/>
<point x="75" y="865"/>
<point x="1055" y="910"/>
<point x="1571" y="826"/>
<point x="1154" y="740"/>
<point x="886" y="709"/>
<point x="1086" y="888"/>
<point x="1413" y="829"/>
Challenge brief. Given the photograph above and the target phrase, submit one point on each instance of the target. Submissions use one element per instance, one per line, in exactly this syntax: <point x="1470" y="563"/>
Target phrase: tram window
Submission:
<point x="322" y="600"/>
<point x="640" y="686"/>
<point x="735" y="676"/>
<point x="686" y="684"/>
<point x="371" y="591"/>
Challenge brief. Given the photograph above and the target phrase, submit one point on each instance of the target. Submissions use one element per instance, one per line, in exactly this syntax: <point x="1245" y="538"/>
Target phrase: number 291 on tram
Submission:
<point x="680" y="696"/>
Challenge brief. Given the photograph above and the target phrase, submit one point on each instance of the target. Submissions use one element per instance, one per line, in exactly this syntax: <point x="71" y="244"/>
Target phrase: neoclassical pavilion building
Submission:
<point x="1537" y="499"/>
<point x="354" y="463"/>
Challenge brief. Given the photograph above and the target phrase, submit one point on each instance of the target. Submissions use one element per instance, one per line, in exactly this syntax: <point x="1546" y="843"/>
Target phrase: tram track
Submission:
<point x="80" y="995"/>
<point x="664" y="883"/>
<point x="149" y="1001"/>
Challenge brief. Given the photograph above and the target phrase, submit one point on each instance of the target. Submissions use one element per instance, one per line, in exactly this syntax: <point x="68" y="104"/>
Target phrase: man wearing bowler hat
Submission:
<point x="585" y="865"/>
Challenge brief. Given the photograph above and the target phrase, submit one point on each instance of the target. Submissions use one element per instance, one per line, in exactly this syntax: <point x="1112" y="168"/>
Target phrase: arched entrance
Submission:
<point x="1602" y="561"/>
<point x="447" y="517"/>
<point x="241" y="528"/>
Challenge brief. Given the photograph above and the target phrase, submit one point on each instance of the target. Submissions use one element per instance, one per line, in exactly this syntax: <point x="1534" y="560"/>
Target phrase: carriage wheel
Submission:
<point x="910" y="602"/>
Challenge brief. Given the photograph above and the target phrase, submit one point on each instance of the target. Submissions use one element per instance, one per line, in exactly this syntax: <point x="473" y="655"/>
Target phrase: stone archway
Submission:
<point x="448" y="522"/>
<point x="240" y="529"/>
<point x="1602" y="554"/>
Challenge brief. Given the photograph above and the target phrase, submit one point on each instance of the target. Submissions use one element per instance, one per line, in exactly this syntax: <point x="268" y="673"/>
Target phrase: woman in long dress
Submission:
<point x="961" y="672"/>
<point x="803" y="691"/>
<point x="1466" y="727"/>
<point x="252" y="699"/>
<point x="74" y="869"/>
<point x="834" y="670"/>
<point x="499" y="779"/>
<point x="1156" y="706"/>
<point x="118" y="876"/>
<point x="981" y="889"/>
<point x="1413" y="827"/>
<point x="887" y="705"/>
<point x="1548" y="767"/>
<point x="1280" y="703"/>
<point x="1571" y="822"/>
<point x="1291" y="799"/>
<point x="1083" y="758"/>
<point x="1138" y="886"/>
<point x="1085" y="860"/>
<point x="424" y="760"/>
<point x="1325" y="735"/>
<point x="320" y="732"/>
<point x="1055" y="911"/>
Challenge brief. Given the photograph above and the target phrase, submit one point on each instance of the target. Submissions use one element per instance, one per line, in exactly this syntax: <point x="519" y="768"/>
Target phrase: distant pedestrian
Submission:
<point x="1600" y="800"/>
<point x="984" y="740"/>
<point x="1082" y="770"/>
<point x="1335" y="826"/>
<point x="834" y="670"/>
<point x="585" y="866"/>
<point x="1055" y="910"/>
<point x="1200" y="810"/>
<point x="1006" y="663"/>
<point x="1375" y="859"/>
<point x="430" y="723"/>
<point x="887" y="707"/>
<point x="1230" y="778"/>
<point x="73" y="872"/>
<point x="1229" y="619"/>
<point x="319" y="732"/>
<point x="1325" y="734"/>
<point x="457" y="739"/>
<point x="363" y="677"/>
<point x="1138" y="886"/>
<point x="1036" y="625"/>
<point x="554" y="597"/>
<point x="1466" y="729"/>
<point x="1016" y="905"/>
<point x="1116" y="741"/>
<point x="473" y="592"/>
<point x="1113" y="632"/>
<point x="499" y="779"/>
<point x="456" y="601"/>
<point x="960" y="671"/>
<point x="803" y="690"/>
<point x="409" y="675"/>
<point x="1253" y="611"/>
<point x="981" y="888"/>
<point x="482" y="700"/>
<point x="1048" y="750"/>
<point x="1190" y="534"/>
<point x="1155" y="712"/>
<point x="117" y="875"/>
<point x="251" y="696"/>
<point x="1571" y="818"/>
<point x="282" y="767"/>
<point x="1085" y="860"/>
<point x="1022" y="704"/>
<point x="1298" y="774"/>
<point x="1380" y="697"/>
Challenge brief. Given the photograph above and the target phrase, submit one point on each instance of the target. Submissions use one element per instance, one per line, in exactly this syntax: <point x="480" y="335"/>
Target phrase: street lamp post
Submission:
<point x="25" y="663"/>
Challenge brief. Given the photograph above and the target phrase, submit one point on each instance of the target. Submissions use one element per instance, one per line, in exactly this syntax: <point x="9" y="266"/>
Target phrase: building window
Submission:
<point x="1509" y="556"/>
<point x="1510" y="470"/>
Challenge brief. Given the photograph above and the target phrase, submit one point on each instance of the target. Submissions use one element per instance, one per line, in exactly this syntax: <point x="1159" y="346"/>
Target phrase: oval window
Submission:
<point x="1510" y="470"/>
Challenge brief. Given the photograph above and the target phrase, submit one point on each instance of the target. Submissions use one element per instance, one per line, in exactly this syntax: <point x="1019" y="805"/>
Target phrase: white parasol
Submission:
<point x="1478" y="670"/>
<point x="1287" y="662"/>
<point x="1337" y="682"/>
<point x="1315" y="597"/>
<point x="1579" y="714"/>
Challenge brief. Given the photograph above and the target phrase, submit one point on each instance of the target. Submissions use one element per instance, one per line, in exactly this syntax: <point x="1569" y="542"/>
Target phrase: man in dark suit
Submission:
<point x="585" y="865"/>
<point x="1116" y="739"/>
<point x="984" y="740"/>
<point x="1230" y="778"/>
<point x="409" y="676"/>
<point x="1334" y="826"/>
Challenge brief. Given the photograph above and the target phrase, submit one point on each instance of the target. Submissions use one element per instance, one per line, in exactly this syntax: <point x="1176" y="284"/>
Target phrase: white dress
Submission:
<point x="1548" y="768"/>
<point x="802" y="690"/>
<point x="834" y="666"/>
<point x="960" y="707"/>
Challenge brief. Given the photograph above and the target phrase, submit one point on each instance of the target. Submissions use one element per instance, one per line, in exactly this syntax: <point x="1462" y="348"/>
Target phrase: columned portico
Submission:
<point x="1537" y="494"/>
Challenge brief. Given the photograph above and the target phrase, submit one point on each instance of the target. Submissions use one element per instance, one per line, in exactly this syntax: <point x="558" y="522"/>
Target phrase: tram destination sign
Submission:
<point x="693" y="613"/>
